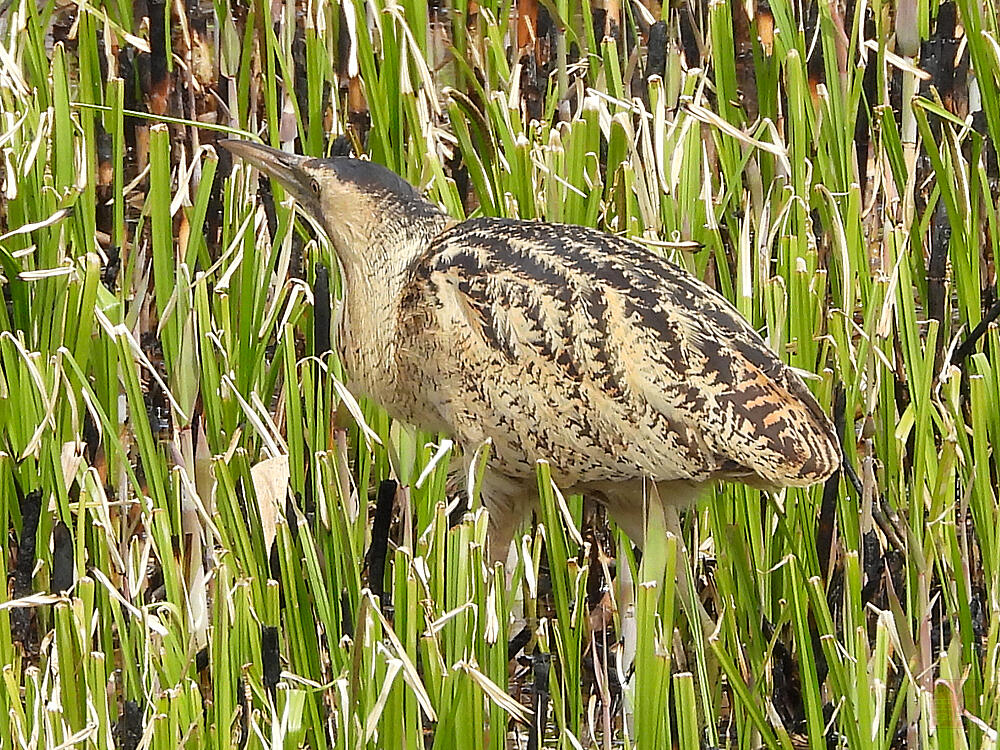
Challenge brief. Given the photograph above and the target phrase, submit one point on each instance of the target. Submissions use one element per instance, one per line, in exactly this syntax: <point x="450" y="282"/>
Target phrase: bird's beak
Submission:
<point x="288" y="169"/>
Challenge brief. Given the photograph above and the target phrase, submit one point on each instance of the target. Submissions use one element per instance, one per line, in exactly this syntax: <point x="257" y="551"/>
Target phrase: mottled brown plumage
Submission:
<point x="554" y="342"/>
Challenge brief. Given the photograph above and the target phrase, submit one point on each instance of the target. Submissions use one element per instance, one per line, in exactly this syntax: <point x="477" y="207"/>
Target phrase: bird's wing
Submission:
<point x="619" y="362"/>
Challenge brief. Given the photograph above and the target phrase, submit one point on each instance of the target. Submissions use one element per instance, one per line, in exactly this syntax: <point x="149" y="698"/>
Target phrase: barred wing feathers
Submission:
<point x="566" y="343"/>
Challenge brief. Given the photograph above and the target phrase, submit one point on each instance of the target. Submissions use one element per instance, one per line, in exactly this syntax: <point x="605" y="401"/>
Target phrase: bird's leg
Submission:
<point x="508" y="503"/>
<point x="628" y="502"/>
<point x="687" y="594"/>
<point x="636" y="508"/>
<point x="628" y="512"/>
<point x="704" y="626"/>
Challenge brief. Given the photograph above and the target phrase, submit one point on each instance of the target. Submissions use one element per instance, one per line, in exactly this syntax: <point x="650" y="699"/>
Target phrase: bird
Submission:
<point x="555" y="342"/>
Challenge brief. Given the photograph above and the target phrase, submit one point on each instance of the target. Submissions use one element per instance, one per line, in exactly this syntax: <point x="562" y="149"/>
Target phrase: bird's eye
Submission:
<point x="314" y="186"/>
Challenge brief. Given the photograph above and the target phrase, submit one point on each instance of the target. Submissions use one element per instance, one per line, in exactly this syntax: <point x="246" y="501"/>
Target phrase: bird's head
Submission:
<point x="359" y="204"/>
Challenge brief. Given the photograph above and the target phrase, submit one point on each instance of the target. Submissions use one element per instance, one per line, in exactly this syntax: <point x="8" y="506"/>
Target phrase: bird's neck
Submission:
<point x="390" y="248"/>
<point x="374" y="276"/>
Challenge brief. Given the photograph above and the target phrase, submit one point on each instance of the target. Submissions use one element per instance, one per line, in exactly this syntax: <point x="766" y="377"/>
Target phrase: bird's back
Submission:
<point x="565" y="343"/>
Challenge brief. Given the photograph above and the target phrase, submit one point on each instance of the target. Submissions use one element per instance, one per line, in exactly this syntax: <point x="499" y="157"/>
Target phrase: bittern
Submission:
<point x="552" y="341"/>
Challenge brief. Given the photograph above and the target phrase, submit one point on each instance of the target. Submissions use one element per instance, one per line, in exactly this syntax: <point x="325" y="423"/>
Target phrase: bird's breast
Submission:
<point x="366" y="346"/>
<point x="375" y="355"/>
